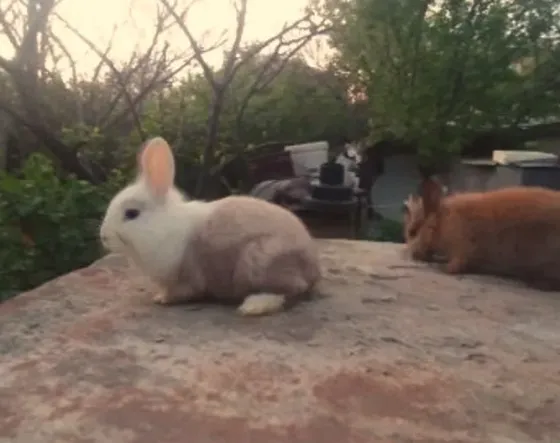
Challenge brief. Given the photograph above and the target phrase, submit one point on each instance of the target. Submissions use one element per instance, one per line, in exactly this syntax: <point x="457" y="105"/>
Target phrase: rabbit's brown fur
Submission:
<point x="247" y="246"/>
<point x="511" y="232"/>
<point x="413" y="217"/>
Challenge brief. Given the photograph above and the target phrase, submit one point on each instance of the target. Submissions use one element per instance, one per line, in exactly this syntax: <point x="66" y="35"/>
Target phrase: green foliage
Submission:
<point x="387" y="230"/>
<point x="90" y="123"/>
<point x="435" y="70"/>
<point x="302" y="103"/>
<point x="429" y="71"/>
<point x="48" y="226"/>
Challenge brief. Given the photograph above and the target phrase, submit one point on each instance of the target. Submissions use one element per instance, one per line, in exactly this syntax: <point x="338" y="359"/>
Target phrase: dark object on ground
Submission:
<point x="333" y="219"/>
<point x="331" y="173"/>
<point x="332" y="193"/>
<point x="284" y="192"/>
<point x="275" y="166"/>
<point x="325" y="218"/>
<point x="246" y="168"/>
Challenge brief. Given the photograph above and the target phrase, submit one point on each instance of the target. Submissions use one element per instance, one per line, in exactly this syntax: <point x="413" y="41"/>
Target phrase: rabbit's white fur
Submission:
<point x="176" y="242"/>
<point x="155" y="241"/>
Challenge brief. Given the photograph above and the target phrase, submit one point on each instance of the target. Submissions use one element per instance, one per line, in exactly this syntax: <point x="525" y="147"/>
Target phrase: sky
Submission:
<point x="136" y="21"/>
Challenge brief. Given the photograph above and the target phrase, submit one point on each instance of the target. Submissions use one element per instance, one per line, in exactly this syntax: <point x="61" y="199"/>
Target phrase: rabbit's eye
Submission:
<point x="131" y="214"/>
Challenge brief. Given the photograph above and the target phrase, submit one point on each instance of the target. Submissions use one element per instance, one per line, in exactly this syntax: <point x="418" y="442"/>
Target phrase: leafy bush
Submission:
<point x="387" y="230"/>
<point x="48" y="225"/>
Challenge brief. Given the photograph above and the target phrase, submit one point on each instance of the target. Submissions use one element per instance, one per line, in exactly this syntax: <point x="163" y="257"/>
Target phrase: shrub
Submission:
<point x="387" y="230"/>
<point x="48" y="225"/>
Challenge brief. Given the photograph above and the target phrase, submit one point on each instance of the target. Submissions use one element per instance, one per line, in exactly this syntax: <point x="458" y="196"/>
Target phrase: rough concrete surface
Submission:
<point x="394" y="352"/>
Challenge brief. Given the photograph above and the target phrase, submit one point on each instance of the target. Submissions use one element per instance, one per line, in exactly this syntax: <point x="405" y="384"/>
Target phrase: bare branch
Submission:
<point x="154" y="83"/>
<point x="99" y="66"/>
<point x="241" y="14"/>
<point x="130" y="72"/>
<point x="233" y="62"/>
<point x="71" y="61"/>
<point x="25" y="70"/>
<point x="67" y="159"/>
<point x="198" y="50"/>
<point x="97" y="69"/>
<point x="9" y="28"/>
<point x="262" y="81"/>
<point x="38" y="14"/>
<point x="118" y="74"/>
<point x="312" y="30"/>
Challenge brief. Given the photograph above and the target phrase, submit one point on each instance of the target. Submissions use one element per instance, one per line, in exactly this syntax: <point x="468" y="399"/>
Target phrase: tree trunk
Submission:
<point x="208" y="159"/>
<point x="4" y="135"/>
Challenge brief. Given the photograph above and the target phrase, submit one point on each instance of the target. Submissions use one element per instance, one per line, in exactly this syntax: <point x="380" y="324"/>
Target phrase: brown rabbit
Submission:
<point x="513" y="232"/>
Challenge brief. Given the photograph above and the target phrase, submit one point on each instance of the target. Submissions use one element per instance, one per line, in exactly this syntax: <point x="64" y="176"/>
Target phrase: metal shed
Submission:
<point x="484" y="175"/>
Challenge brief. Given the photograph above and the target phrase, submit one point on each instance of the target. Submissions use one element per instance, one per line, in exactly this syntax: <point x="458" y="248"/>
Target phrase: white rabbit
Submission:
<point x="238" y="248"/>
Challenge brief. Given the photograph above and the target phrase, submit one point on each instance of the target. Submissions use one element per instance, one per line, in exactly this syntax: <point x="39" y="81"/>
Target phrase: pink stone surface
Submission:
<point x="394" y="351"/>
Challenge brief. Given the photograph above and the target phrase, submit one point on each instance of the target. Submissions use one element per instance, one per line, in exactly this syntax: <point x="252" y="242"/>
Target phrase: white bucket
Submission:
<point x="308" y="156"/>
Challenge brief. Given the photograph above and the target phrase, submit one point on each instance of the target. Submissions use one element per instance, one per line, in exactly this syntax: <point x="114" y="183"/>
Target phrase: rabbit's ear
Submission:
<point x="431" y="195"/>
<point x="412" y="202"/>
<point x="407" y="203"/>
<point x="157" y="166"/>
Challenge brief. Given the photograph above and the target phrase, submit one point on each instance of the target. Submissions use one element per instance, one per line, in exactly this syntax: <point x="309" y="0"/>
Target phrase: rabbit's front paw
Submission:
<point x="456" y="265"/>
<point x="163" y="298"/>
<point x="174" y="294"/>
<point x="261" y="304"/>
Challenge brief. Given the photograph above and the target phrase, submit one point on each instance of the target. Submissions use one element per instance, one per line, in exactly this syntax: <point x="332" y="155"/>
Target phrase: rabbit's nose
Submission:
<point x="104" y="241"/>
<point x="103" y="233"/>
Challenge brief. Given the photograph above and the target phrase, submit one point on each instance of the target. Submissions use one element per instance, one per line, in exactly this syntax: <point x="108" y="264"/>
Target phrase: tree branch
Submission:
<point x="68" y="160"/>
<point x="198" y="50"/>
<point x="260" y="83"/>
<point x="64" y="49"/>
<point x="118" y="74"/>
<point x="241" y="15"/>
<point x="9" y="28"/>
<point x="153" y="84"/>
<point x="313" y="30"/>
